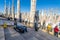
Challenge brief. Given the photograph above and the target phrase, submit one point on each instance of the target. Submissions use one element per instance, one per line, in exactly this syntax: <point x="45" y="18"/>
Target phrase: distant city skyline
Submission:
<point x="25" y="4"/>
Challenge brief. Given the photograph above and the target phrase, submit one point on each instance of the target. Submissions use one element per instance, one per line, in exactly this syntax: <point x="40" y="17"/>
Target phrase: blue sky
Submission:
<point x="25" y="4"/>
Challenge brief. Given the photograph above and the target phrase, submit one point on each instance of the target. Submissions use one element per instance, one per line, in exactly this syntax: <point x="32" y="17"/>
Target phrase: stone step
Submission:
<point x="2" y="36"/>
<point x="51" y="33"/>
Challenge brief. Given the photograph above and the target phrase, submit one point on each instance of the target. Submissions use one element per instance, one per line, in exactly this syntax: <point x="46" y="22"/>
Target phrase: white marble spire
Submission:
<point x="32" y="11"/>
<point x="13" y="9"/>
<point x="9" y="10"/>
<point x="18" y="9"/>
<point x="5" y="8"/>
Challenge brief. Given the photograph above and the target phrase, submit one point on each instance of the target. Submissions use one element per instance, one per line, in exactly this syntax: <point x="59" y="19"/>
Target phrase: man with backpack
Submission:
<point x="56" y="30"/>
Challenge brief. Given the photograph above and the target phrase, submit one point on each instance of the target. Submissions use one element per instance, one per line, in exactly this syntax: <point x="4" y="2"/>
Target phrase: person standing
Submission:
<point x="5" y="25"/>
<point x="56" y="30"/>
<point x="36" y="26"/>
<point x="15" y="21"/>
<point x="43" y="27"/>
<point x="40" y="25"/>
<point x="49" y="28"/>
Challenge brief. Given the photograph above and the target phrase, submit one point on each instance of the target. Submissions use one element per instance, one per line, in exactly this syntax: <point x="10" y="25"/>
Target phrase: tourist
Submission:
<point x="56" y="30"/>
<point x="43" y="27"/>
<point x="36" y="26"/>
<point x="5" y="25"/>
<point x="15" y="21"/>
<point x="49" y="28"/>
<point x="40" y="25"/>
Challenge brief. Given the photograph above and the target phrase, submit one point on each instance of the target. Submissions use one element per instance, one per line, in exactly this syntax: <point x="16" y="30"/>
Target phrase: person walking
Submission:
<point x="56" y="30"/>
